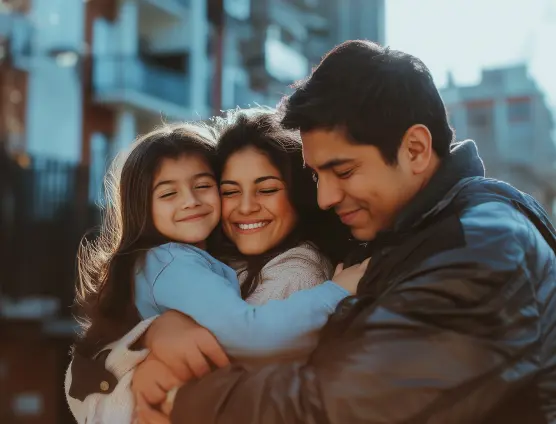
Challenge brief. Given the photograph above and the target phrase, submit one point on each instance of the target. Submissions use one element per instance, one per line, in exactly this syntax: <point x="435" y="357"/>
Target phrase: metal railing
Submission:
<point x="44" y="213"/>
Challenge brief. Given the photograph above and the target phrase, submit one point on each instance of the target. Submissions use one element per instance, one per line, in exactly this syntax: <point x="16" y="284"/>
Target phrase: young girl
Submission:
<point x="151" y="257"/>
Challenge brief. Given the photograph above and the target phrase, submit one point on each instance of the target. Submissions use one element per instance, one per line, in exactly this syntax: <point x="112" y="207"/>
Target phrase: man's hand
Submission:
<point x="184" y="346"/>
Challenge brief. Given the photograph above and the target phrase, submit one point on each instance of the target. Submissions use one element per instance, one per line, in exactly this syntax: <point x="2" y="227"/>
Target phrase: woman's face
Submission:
<point x="257" y="214"/>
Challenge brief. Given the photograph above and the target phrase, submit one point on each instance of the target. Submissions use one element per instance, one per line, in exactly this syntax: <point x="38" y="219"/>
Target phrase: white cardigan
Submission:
<point x="299" y="268"/>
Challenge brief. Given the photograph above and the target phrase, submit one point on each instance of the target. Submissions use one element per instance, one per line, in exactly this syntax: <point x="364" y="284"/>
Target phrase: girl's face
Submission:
<point x="185" y="200"/>
<point x="257" y="214"/>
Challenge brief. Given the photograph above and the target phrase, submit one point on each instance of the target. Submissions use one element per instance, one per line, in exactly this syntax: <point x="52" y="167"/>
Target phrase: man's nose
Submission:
<point x="329" y="194"/>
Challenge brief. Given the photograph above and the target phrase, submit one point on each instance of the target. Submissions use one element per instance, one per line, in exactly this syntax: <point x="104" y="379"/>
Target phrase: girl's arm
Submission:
<point x="290" y="326"/>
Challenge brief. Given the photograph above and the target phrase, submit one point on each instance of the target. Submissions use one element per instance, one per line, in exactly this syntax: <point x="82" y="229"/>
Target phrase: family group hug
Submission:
<point x="338" y="259"/>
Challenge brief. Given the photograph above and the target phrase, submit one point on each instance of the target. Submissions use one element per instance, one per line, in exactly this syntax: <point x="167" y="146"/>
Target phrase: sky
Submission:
<point x="464" y="36"/>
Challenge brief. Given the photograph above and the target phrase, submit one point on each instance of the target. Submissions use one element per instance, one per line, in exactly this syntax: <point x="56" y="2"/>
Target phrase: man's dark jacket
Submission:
<point x="454" y="322"/>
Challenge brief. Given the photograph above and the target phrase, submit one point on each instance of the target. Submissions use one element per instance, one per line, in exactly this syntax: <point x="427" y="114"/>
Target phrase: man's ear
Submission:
<point x="416" y="149"/>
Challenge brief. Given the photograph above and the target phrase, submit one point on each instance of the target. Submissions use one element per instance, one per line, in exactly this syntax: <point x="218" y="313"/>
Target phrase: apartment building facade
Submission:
<point x="507" y="115"/>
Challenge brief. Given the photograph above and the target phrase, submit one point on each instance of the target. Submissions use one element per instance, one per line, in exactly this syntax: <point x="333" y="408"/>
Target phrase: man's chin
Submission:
<point x="363" y="234"/>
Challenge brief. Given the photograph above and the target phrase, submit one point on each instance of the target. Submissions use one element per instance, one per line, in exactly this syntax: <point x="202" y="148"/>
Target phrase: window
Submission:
<point x="519" y="110"/>
<point x="479" y="115"/>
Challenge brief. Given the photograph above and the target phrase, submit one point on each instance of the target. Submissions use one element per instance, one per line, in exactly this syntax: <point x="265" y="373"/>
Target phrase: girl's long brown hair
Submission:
<point x="106" y="265"/>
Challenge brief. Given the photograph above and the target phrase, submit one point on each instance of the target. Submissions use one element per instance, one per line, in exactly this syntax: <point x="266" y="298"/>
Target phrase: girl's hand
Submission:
<point x="349" y="278"/>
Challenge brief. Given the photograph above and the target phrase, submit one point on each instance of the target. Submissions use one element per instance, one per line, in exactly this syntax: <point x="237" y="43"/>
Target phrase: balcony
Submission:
<point x="16" y="29"/>
<point x="171" y="8"/>
<point x="136" y="84"/>
<point x="282" y="62"/>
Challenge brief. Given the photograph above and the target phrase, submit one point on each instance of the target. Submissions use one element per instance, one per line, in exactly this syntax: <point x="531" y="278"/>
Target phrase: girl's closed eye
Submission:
<point x="166" y="195"/>
<point x="202" y="186"/>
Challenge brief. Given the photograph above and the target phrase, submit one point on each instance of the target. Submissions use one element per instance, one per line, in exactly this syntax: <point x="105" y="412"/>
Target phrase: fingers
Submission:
<point x="152" y="380"/>
<point x="152" y="395"/>
<point x="145" y="414"/>
<point x="210" y="347"/>
<point x="152" y="416"/>
<point x="196" y="361"/>
<point x="178" y="365"/>
<point x="339" y="268"/>
<point x="167" y="408"/>
<point x="365" y="263"/>
<point x="166" y="378"/>
<point x="168" y="404"/>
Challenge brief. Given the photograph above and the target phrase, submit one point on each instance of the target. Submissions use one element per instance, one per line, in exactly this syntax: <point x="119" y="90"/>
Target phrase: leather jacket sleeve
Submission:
<point x="448" y="342"/>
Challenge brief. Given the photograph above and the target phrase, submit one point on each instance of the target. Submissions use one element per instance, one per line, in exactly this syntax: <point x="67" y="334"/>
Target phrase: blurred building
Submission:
<point x="265" y="45"/>
<point x="79" y="79"/>
<point x="508" y="117"/>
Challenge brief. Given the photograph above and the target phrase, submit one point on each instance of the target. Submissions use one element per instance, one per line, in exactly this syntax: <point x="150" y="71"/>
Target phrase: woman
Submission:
<point x="269" y="209"/>
<point x="269" y="213"/>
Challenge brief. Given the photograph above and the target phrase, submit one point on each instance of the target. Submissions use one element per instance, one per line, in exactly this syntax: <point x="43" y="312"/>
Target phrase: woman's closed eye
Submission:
<point x="269" y="190"/>
<point x="228" y="193"/>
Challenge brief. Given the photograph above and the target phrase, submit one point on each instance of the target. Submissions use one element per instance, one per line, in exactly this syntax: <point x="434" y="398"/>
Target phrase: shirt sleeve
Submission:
<point x="298" y="269"/>
<point x="290" y="326"/>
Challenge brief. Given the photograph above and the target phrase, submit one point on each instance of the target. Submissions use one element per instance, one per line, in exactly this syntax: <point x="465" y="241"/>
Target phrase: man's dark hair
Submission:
<point x="372" y="93"/>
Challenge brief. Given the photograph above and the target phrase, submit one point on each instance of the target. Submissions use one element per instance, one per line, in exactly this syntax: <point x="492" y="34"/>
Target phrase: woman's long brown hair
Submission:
<point x="261" y="128"/>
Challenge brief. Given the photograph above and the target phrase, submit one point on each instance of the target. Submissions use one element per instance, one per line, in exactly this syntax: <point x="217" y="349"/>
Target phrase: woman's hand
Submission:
<point x="180" y="350"/>
<point x="184" y="346"/>
<point x="349" y="278"/>
<point x="152" y="380"/>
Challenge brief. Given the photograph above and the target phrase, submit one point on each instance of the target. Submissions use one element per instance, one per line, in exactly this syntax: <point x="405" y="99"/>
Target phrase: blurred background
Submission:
<point x="79" y="79"/>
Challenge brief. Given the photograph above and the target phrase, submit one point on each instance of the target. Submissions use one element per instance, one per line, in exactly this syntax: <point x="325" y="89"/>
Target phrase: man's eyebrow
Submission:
<point x="331" y="164"/>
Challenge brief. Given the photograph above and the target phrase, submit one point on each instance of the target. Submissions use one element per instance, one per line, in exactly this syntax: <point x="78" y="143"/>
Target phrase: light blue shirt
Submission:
<point x="187" y="279"/>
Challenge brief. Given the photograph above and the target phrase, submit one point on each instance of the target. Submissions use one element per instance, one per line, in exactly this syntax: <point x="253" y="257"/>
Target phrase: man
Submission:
<point x="455" y="319"/>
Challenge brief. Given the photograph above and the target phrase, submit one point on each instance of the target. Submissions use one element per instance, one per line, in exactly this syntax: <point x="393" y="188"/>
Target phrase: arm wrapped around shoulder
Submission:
<point x="450" y="342"/>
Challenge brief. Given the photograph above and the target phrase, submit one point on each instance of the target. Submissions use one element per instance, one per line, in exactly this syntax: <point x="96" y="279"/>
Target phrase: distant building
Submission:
<point x="81" y="79"/>
<point x="268" y="44"/>
<point x="507" y="115"/>
<point x="78" y="81"/>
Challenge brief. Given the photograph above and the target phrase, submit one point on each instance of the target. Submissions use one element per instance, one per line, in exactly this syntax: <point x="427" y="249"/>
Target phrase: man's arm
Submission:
<point x="388" y="368"/>
<point x="448" y="344"/>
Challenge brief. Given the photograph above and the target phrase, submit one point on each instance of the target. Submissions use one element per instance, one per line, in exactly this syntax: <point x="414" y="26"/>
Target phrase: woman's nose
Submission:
<point x="248" y="205"/>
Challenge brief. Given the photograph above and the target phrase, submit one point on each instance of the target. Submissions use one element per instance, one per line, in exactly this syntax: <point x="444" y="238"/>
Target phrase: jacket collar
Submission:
<point x="462" y="164"/>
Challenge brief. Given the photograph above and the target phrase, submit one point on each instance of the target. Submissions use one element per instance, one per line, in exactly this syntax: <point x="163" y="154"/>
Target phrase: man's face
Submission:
<point x="365" y="191"/>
